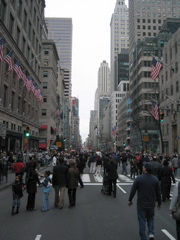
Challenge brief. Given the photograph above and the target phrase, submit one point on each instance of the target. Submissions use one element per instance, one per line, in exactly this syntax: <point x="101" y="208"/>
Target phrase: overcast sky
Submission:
<point x="91" y="45"/>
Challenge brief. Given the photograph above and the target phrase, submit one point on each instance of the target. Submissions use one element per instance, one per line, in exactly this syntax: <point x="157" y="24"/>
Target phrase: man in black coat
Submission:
<point x="111" y="170"/>
<point x="59" y="182"/>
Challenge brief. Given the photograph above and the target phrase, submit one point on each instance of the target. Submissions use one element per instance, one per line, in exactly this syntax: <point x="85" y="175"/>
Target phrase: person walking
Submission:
<point x="31" y="185"/>
<point x="54" y="160"/>
<point x="92" y="163"/>
<point x="19" y="168"/>
<point x="59" y="182"/>
<point x="46" y="188"/>
<point x="174" y="200"/>
<point x="124" y="164"/>
<point x="98" y="165"/>
<point x="166" y="174"/>
<point x="73" y="175"/>
<point x="17" y="190"/>
<point x="148" y="190"/>
<point x="111" y="170"/>
<point x="79" y="166"/>
<point x="175" y="164"/>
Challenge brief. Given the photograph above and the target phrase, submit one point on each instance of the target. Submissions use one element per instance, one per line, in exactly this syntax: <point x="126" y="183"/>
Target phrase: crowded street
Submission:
<point x="95" y="216"/>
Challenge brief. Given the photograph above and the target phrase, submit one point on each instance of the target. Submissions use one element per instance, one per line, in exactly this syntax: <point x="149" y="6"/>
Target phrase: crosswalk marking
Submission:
<point x="124" y="178"/>
<point x="85" y="178"/>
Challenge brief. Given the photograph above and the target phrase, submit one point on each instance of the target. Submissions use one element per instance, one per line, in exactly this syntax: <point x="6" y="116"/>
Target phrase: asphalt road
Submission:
<point x="96" y="216"/>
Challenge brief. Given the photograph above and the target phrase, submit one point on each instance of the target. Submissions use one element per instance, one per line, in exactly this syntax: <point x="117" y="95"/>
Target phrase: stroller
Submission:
<point x="105" y="186"/>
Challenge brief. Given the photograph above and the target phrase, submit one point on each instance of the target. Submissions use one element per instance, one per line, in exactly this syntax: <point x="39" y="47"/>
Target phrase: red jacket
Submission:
<point x="18" y="167"/>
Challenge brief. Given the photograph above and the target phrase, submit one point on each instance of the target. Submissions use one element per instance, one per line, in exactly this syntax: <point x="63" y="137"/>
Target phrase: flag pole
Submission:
<point x="172" y="69"/>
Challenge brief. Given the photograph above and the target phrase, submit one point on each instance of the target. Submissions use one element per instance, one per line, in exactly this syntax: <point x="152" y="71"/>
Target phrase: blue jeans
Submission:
<point x="124" y="168"/>
<point x="16" y="202"/>
<point x="145" y="214"/>
<point x="45" y="201"/>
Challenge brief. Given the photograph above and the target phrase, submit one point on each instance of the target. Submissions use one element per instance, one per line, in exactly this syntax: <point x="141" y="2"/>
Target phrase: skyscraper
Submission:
<point x="60" y="30"/>
<point x="119" y="36"/>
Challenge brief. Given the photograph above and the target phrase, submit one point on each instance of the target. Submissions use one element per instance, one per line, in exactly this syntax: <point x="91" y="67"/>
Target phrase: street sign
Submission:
<point x="2" y="130"/>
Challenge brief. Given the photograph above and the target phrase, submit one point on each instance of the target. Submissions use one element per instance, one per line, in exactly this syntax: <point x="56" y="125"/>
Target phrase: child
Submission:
<point x="17" y="190"/>
<point x="46" y="188"/>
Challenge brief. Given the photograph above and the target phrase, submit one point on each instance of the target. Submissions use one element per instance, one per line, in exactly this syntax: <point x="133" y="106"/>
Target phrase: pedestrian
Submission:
<point x="31" y="185"/>
<point x="92" y="163"/>
<point x="124" y="164"/>
<point x="175" y="164"/>
<point x="148" y="190"/>
<point x="17" y="190"/>
<point x="46" y="188"/>
<point x="73" y="174"/>
<point x="111" y="170"/>
<point x="79" y="166"/>
<point x="166" y="175"/>
<point x="19" y="168"/>
<point x="98" y="165"/>
<point x="59" y="182"/>
<point x="156" y="167"/>
<point x="54" y="160"/>
<point x="174" y="200"/>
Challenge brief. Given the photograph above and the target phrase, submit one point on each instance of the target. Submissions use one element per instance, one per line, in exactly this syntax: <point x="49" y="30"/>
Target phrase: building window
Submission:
<point x="171" y="90"/>
<point x="46" y="51"/>
<point x="177" y="86"/>
<point x="5" y="96"/>
<point x="46" y="62"/>
<point x="45" y="73"/>
<point x="176" y="67"/>
<point x="44" y="85"/>
<point x="44" y="112"/>
<point x="45" y="99"/>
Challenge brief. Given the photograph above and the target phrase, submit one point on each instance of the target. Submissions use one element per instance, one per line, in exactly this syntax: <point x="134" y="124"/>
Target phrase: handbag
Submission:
<point x="176" y="209"/>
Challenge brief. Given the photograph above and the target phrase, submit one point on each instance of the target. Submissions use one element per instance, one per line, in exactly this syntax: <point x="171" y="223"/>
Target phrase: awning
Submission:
<point x="53" y="129"/>
<point x="42" y="145"/>
<point x="43" y="127"/>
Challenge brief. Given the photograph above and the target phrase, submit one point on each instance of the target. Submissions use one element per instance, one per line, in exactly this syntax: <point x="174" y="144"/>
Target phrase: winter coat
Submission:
<point x="17" y="189"/>
<point x="31" y="181"/>
<point x="18" y="167"/>
<point x="60" y="173"/>
<point x="111" y="169"/>
<point x="46" y="185"/>
<point x="73" y="175"/>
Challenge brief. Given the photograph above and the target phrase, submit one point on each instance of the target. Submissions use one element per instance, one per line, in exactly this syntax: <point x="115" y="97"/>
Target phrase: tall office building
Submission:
<point x="145" y="20"/>
<point x="104" y="79"/>
<point x="60" y="30"/>
<point x="119" y="37"/>
<point x="22" y="29"/>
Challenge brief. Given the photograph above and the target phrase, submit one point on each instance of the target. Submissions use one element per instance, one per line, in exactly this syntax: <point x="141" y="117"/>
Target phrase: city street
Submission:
<point x="95" y="216"/>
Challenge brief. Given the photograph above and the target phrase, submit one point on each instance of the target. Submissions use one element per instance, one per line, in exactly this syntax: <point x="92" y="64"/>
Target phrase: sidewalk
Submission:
<point x="11" y="178"/>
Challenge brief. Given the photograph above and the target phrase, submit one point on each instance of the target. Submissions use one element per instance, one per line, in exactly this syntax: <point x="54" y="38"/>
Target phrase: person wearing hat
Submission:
<point x="148" y="191"/>
<point x="73" y="179"/>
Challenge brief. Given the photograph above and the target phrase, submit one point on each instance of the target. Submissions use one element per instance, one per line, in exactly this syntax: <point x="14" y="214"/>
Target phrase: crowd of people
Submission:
<point x="153" y="175"/>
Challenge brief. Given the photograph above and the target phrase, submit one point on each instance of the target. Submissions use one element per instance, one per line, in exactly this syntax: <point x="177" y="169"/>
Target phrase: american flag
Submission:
<point x="29" y="83"/>
<point x="155" y="110"/>
<point x="8" y="59"/>
<point x="1" y="49"/>
<point x="33" y="88"/>
<point x="17" y="69"/>
<point x="155" y="69"/>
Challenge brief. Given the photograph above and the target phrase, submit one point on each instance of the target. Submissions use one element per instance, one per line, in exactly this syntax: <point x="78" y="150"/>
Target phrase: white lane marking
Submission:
<point x="98" y="178"/>
<point x="38" y="237"/>
<point x="121" y="189"/>
<point x="85" y="178"/>
<point x="168" y="234"/>
<point x="124" y="178"/>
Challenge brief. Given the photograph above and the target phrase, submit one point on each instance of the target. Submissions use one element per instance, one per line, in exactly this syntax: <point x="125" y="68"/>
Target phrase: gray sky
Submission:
<point x="91" y="45"/>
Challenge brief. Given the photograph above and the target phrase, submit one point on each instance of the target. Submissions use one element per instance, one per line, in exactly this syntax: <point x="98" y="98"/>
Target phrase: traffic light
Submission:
<point x="27" y="132"/>
<point x="64" y="140"/>
<point x="124" y="144"/>
<point x="162" y="117"/>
